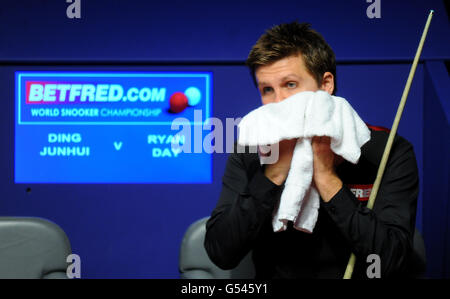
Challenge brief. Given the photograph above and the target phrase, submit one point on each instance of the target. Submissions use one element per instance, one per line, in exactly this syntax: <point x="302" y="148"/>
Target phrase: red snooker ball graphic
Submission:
<point x="178" y="102"/>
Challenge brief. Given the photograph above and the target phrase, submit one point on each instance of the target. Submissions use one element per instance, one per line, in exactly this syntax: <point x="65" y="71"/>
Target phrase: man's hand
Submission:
<point x="278" y="171"/>
<point x="324" y="161"/>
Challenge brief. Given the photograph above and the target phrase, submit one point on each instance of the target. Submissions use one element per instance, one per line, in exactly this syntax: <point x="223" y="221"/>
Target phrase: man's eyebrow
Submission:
<point x="287" y="77"/>
<point x="290" y="76"/>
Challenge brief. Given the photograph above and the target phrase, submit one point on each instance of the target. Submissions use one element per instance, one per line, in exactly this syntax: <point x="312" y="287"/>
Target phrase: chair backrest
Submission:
<point x="32" y="248"/>
<point x="194" y="262"/>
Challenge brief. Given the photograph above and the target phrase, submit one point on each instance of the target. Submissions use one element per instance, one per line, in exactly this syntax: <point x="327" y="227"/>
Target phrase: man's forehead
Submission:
<point x="288" y="66"/>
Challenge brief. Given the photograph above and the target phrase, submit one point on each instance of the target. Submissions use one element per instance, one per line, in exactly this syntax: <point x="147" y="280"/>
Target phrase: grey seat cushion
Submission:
<point x="194" y="262"/>
<point x="32" y="248"/>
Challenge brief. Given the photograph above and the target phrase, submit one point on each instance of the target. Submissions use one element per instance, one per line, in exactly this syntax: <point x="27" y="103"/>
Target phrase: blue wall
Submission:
<point x="134" y="230"/>
<point x="436" y="169"/>
<point x="201" y="30"/>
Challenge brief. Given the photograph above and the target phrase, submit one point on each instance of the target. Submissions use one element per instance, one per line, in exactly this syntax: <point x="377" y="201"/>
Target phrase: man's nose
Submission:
<point x="280" y="96"/>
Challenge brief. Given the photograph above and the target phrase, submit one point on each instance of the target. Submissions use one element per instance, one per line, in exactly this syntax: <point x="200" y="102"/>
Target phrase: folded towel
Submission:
<point x="303" y="116"/>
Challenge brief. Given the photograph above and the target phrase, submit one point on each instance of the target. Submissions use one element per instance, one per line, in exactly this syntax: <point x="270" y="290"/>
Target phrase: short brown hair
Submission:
<point x="292" y="39"/>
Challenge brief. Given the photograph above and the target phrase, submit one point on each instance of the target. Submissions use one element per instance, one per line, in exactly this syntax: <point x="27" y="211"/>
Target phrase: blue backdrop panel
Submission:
<point x="200" y="30"/>
<point x="436" y="169"/>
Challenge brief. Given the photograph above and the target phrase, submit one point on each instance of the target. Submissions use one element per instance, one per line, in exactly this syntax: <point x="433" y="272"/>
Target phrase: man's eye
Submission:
<point x="291" y="85"/>
<point x="266" y="90"/>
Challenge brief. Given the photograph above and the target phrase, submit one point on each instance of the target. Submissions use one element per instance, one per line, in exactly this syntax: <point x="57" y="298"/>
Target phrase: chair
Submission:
<point x="194" y="262"/>
<point x="32" y="248"/>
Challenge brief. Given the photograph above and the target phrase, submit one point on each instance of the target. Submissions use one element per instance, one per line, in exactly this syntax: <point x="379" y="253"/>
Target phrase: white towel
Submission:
<point x="303" y="116"/>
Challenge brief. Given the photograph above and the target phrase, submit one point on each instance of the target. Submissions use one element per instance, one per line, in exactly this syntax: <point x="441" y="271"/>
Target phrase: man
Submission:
<point x="288" y="59"/>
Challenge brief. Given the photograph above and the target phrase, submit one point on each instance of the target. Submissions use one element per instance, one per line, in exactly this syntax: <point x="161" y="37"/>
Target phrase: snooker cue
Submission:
<point x="387" y="149"/>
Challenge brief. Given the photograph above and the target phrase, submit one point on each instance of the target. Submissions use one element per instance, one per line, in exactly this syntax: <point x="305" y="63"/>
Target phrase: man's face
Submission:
<point x="283" y="78"/>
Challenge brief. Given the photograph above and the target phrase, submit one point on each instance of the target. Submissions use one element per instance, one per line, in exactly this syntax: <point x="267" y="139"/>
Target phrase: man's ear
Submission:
<point x="328" y="83"/>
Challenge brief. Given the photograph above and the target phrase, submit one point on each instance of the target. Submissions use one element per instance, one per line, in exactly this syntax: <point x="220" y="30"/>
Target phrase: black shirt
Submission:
<point x="242" y="219"/>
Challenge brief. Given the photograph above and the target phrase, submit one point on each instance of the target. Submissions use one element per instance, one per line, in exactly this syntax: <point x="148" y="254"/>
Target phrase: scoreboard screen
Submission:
<point x="110" y="127"/>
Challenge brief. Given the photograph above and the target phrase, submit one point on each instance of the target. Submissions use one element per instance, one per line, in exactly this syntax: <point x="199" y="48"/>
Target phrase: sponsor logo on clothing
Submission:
<point x="361" y="192"/>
